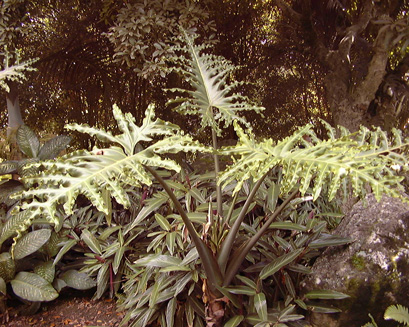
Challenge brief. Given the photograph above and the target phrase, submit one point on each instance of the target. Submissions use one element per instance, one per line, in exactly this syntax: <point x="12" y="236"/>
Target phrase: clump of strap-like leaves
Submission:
<point x="235" y="267"/>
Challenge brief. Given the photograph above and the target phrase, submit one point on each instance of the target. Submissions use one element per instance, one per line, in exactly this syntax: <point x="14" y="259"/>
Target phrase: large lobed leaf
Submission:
<point x="104" y="170"/>
<point x="364" y="158"/>
<point x="212" y="98"/>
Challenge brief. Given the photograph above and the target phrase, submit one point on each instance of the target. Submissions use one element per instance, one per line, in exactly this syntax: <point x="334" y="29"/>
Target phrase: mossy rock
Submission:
<point x="373" y="270"/>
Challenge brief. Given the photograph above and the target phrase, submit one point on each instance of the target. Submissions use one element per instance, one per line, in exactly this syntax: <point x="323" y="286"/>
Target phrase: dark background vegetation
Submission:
<point x="302" y="61"/>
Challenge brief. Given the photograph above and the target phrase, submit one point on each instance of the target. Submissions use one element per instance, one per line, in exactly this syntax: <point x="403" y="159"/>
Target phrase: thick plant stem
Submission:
<point x="216" y="171"/>
<point x="214" y="311"/>
<point x="233" y="232"/>
<point x="208" y="261"/>
<point x="241" y="255"/>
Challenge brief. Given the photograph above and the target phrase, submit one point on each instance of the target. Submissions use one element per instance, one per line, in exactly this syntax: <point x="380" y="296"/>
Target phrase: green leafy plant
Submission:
<point x="227" y="246"/>
<point x="30" y="146"/>
<point x="27" y="265"/>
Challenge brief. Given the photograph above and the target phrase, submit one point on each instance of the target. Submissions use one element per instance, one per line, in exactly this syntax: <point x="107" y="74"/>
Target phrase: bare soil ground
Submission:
<point x="70" y="310"/>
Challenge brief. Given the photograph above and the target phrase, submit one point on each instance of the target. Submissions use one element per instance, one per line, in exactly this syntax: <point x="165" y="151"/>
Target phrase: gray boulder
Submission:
<point x="373" y="270"/>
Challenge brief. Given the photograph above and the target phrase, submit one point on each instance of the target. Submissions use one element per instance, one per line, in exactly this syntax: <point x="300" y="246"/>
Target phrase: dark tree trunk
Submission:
<point x="354" y="49"/>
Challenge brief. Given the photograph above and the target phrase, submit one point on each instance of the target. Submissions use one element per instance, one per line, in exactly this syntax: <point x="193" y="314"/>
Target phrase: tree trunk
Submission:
<point x="13" y="109"/>
<point x="14" y="121"/>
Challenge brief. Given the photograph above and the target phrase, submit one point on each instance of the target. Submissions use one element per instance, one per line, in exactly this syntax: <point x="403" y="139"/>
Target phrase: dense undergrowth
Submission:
<point x="181" y="247"/>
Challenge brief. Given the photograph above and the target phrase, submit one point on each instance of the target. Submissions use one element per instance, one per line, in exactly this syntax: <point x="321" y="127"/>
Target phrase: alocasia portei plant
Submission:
<point x="221" y="263"/>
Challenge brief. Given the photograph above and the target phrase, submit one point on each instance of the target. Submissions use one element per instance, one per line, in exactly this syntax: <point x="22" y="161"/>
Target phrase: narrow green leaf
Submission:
<point x="102" y="280"/>
<point x="234" y="321"/>
<point x="280" y="262"/>
<point x="260" y="303"/>
<point x="190" y="257"/>
<point x="32" y="287"/>
<point x="118" y="259"/>
<point x="241" y="289"/>
<point x="190" y="313"/>
<point x="182" y="282"/>
<point x="233" y="299"/>
<point x="247" y="281"/>
<point x="170" y="312"/>
<point x="322" y="308"/>
<point x="325" y="295"/>
<point x="197" y="195"/>
<point x="31" y="242"/>
<point x="170" y="241"/>
<point x="329" y="240"/>
<point x="91" y="241"/>
<point x="157" y="260"/>
<point x="287" y="225"/>
<point x="301" y="304"/>
<point x="163" y="222"/>
<point x="66" y="247"/>
<point x="175" y="268"/>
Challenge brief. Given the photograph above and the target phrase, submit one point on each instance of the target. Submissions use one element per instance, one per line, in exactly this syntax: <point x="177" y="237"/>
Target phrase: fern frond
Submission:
<point x="104" y="170"/>
<point x="364" y="157"/>
<point x="398" y="313"/>
<point x="212" y="97"/>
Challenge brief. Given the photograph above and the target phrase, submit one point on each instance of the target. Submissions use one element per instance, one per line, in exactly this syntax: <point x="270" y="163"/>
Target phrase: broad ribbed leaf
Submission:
<point x="8" y="167"/>
<point x="53" y="147"/>
<point x="27" y="141"/>
<point x="398" y="313"/>
<point x="46" y="270"/>
<point x="325" y="295"/>
<point x="280" y="262"/>
<point x="7" y="266"/>
<point x="15" y="224"/>
<point x="7" y="189"/>
<point x="31" y="242"/>
<point x="32" y="287"/>
<point x="78" y="280"/>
